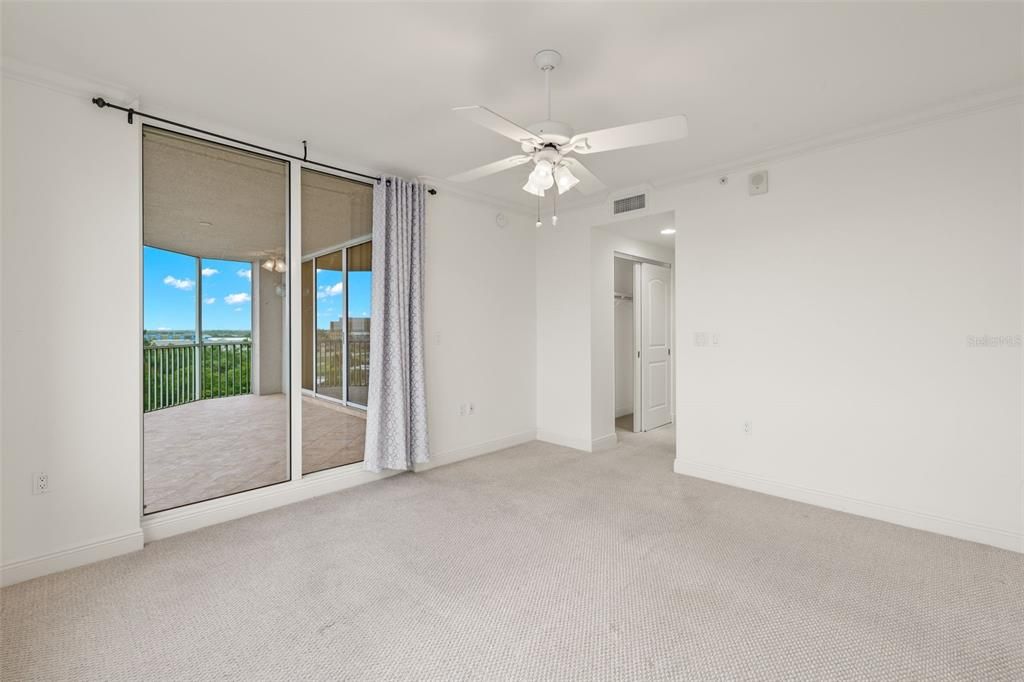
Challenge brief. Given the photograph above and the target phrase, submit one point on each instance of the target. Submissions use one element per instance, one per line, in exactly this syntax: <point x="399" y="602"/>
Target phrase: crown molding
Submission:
<point x="64" y="83"/>
<point x="956" y="108"/>
<point x="488" y="200"/>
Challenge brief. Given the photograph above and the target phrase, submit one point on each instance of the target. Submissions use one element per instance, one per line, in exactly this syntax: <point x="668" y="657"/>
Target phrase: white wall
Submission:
<point x="624" y="342"/>
<point x="563" y="332"/>
<point x="479" y="325"/>
<point x="71" y="308"/>
<point x="625" y="357"/>
<point x="71" y="334"/>
<point x="576" y="325"/>
<point x="844" y="299"/>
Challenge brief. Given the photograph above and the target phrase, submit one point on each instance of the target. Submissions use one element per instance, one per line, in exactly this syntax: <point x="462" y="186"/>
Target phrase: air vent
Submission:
<point x="627" y="204"/>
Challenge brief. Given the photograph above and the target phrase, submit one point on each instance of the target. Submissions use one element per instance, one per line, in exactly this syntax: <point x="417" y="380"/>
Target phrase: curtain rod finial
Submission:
<point x="99" y="102"/>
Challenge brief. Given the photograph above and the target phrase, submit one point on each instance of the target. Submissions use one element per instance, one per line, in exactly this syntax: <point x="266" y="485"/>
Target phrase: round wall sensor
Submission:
<point x="500" y="220"/>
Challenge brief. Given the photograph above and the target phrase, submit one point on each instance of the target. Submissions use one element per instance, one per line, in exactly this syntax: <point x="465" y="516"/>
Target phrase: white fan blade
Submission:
<point x="632" y="135"/>
<point x="588" y="182"/>
<point x="488" y="119"/>
<point x="490" y="169"/>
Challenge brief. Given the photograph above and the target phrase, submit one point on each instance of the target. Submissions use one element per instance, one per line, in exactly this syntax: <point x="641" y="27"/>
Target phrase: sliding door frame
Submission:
<point x="170" y="522"/>
<point x="289" y="230"/>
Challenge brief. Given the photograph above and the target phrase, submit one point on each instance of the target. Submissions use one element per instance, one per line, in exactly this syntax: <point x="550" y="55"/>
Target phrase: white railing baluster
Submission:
<point x="173" y="374"/>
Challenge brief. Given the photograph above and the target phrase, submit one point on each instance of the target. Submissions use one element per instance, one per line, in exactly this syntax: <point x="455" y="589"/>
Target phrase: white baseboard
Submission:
<point x="963" y="530"/>
<point x="604" y="442"/>
<point x="193" y="517"/>
<point x="196" y="516"/>
<point x="484" y="448"/>
<point x="98" y="550"/>
<point x="202" y="514"/>
<point x="573" y="442"/>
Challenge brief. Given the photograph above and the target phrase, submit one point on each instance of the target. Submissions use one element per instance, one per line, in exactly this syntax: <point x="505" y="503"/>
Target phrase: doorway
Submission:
<point x="643" y="343"/>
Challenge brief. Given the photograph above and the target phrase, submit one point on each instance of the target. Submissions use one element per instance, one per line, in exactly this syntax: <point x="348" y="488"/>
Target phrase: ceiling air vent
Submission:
<point x="627" y="204"/>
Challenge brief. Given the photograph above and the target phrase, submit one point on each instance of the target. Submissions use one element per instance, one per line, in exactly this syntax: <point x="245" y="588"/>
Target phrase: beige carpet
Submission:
<point x="534" y="563"/>
<point x="211" y="448"/>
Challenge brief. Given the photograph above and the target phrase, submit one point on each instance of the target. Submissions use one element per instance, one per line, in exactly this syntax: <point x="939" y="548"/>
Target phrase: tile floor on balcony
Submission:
<point x="211" y="448"/>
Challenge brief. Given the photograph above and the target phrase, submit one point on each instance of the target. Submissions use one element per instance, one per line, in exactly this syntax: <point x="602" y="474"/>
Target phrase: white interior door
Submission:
<point x="655" y="345"/>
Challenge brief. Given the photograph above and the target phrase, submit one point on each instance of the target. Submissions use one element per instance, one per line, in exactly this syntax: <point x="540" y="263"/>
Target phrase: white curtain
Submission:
<point x="396" y="417"/>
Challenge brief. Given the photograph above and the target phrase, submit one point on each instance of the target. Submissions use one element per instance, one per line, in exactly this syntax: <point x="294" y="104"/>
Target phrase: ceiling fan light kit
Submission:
<point x="549" y="144"/>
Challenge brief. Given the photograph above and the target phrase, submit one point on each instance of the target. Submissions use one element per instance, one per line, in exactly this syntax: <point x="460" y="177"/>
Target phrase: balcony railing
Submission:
<point x="170" y="376"/>
<point x="330" y="366"/>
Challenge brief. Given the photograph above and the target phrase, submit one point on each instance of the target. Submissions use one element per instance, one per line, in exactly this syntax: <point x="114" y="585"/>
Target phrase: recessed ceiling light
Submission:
<point x="669" y="230"/>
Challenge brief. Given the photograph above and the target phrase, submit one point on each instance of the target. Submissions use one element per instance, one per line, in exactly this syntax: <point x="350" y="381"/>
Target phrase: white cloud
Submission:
<point x="163" y="329"/>
<point x="210" y="272"/>
<point x="183" y="284"/>
<point x="334" y="290"/>
<point x="245" y="273"/>
<point x="211" y="301"/>
<point x="233" y="299"/>
<point x="238" y="310"/>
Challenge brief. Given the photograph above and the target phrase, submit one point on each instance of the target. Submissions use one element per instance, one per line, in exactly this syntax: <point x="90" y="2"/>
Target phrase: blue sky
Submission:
<point x="329" y="296"/>
<point x="169" y="291"/>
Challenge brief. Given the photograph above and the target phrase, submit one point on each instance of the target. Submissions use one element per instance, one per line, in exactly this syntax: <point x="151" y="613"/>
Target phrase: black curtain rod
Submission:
<point x="132" y="113"/>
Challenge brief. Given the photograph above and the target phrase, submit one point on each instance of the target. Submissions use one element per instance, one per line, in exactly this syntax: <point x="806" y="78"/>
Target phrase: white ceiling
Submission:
<point x="646" y="229"/>
<point x="372" y="84"/>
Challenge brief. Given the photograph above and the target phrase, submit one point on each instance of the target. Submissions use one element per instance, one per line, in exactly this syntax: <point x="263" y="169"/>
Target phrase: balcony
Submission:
<point x="208" y="435"/>
<point x="169" y="376"/>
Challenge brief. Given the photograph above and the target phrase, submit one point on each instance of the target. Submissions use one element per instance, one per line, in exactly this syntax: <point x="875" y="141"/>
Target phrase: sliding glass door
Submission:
<point x="217" y="329"/>
<point x="215" y="334"/>
<point x="336" y="307"/>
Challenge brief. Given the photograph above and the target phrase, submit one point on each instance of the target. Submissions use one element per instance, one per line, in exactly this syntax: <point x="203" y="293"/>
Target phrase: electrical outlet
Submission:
<point x="462" y="409"/>
<point x="748" y="427"/>
<point x="40" y="483"/>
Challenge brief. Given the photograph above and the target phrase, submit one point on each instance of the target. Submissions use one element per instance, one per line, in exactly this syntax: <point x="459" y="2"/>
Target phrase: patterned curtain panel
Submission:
<point x="396" y="418"/>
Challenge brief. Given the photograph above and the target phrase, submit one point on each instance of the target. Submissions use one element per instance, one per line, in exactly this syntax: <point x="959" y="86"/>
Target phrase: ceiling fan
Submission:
<point x="551" y="144"/>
